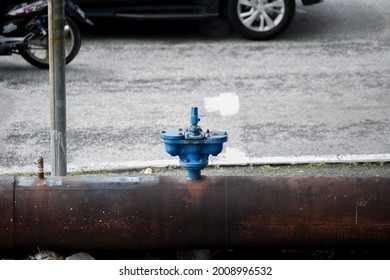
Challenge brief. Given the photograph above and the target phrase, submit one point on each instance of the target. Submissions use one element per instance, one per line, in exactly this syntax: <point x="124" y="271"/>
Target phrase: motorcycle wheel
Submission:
<point x="36" y="50"/>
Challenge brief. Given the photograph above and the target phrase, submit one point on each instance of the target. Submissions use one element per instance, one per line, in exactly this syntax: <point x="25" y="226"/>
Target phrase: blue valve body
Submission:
<point x="193" y="146"/>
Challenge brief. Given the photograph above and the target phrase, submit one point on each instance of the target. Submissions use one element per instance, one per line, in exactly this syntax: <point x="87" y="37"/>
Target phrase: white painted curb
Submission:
<point x="214" y="161"/>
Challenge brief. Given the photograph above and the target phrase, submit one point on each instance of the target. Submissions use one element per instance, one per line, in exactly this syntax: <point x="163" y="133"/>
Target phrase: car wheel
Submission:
<point x="260" y="19"/>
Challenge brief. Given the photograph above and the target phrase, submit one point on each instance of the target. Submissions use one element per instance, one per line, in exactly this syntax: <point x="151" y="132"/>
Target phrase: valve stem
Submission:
<point x="39" y="162"/>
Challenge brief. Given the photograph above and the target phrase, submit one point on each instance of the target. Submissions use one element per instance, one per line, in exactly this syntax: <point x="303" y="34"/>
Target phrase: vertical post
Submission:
<point x="56" y="16"/>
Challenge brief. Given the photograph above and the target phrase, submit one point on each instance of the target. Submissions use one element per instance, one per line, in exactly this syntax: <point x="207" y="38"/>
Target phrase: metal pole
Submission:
<point x="56" y="15"/>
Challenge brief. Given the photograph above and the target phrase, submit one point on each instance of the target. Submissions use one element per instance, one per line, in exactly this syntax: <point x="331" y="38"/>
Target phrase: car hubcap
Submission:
<point x="261" y="15"/>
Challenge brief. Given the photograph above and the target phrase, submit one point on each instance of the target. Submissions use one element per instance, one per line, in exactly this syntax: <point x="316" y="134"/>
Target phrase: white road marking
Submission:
<point x="226" y="104"/>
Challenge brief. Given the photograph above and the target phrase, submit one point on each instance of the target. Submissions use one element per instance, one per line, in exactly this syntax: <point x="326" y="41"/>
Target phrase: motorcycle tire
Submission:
<point x="36" y="51"/>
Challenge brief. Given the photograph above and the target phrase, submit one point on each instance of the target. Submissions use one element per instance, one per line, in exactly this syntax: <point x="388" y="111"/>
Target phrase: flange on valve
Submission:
<point x="192" y="145"/>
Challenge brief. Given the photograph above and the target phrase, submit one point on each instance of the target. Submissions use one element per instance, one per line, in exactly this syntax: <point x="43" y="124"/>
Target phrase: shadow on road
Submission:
<point x="306" y="25"/>
<point x="328" y="20"/>
<point x="199" y="30"/>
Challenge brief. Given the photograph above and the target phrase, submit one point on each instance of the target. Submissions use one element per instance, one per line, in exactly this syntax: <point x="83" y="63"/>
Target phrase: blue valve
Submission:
<point x="193" y="146"/>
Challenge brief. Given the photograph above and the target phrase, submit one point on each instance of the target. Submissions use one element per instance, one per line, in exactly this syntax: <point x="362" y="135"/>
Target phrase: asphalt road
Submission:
<point x="319" y="92"/>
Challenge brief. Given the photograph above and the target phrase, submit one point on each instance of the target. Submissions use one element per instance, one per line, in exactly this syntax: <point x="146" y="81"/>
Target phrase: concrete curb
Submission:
<point x="214" y="161"/>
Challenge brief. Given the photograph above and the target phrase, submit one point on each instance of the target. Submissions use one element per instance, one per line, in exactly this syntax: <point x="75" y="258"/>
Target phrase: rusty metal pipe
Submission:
<point x="99" y="212"/>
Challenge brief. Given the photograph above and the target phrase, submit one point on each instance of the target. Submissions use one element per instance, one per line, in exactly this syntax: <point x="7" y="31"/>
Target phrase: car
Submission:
<point x="252" y="19"/>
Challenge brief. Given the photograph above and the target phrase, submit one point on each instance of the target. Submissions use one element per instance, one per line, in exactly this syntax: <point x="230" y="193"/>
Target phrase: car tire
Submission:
<point x="260" y="19"/>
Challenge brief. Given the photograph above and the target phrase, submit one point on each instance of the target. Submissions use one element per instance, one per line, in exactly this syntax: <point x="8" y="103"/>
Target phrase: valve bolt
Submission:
<point x="39" y="162"/>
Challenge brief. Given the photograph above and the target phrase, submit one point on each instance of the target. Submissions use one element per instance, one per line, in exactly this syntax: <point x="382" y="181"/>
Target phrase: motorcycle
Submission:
<point x="25" y="32"/>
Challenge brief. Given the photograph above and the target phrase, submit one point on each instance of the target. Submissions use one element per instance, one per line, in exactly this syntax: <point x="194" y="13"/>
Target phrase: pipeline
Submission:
<point x="152" y="212"/>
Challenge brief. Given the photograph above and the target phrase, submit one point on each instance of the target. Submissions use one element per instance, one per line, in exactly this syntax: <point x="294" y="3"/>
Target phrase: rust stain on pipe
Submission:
<point x="6" y="212"/>
<point x="308" y="212"/>
<point x="102" y="212"/>
<point x="120" y="212"/>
